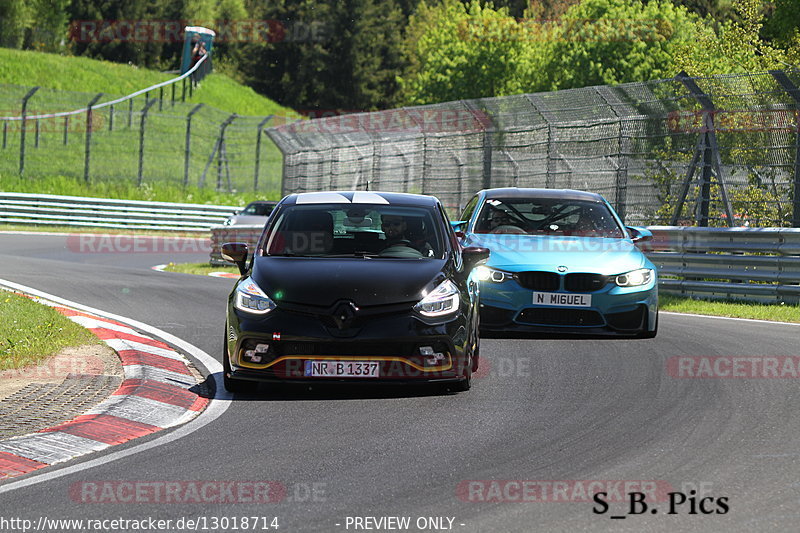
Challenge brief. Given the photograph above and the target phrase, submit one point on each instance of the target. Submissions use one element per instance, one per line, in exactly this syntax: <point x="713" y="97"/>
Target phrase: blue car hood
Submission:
<point x="516" y="253"/>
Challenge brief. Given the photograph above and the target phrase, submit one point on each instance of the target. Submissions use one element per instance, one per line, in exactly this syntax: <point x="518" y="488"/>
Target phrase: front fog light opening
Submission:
<point x="257" y="354"/>
<point x="430" y="356"/>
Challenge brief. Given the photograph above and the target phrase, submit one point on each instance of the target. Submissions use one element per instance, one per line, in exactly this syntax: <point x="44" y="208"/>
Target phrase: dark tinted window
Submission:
<point x="363" y="230"/>
<point x="547" y="216"/>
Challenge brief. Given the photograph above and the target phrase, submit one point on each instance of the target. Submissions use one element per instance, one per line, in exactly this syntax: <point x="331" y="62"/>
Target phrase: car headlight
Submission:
<point x="442" y="301"/>
<point x="484" y="273"/>
<point x="251" y="299"/>
<point x="634" y="278"/>
<point x="228" y="222"/>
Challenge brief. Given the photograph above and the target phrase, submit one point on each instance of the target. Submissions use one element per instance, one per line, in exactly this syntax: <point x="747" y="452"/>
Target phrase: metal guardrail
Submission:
<point x="756" y="264"/>
<point x="223" y="234"/>
<point x="46" y="209"/>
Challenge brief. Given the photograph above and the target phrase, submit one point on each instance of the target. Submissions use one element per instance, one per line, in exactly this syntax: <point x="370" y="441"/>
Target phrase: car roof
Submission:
<point x="361" y="197"/>
<point x="565" y="194"/>
<point x="263" y="202"/>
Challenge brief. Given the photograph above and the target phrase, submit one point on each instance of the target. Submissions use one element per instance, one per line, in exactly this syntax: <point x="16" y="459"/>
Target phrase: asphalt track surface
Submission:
<point x="546" y="409"/>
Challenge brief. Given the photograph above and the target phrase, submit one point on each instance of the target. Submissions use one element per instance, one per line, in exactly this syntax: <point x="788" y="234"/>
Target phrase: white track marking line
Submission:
<point x="732" y="318"/>
<point x="215" y="408"/>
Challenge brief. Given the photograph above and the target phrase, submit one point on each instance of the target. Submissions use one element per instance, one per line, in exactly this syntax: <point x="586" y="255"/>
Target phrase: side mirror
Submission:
<point x="458" y="228"/>
<point x="639" y="234"/>
<point x="473" y="256"/>
<point x="235" y="252"/>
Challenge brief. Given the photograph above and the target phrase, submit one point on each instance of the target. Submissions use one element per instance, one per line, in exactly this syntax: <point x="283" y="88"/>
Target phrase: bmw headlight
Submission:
<point x="251" y="299"/>
<point x="441" y="301"/>
<point x="484" y="273"/>
<point x="634" y="278"/>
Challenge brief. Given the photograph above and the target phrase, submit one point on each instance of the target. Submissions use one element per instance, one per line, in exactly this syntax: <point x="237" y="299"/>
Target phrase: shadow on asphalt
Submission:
<point x="338" y="391"/>
<point x="555" y="336"/>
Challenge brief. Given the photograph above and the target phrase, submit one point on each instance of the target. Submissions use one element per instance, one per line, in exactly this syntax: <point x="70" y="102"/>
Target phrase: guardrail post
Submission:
<point x="142" y="123"/>
<point x="187" y="150"/>
<point x="87" y="154"/>
<point x="172" y="99"/>
<point x="111" y="118"/>
<point x="5" y="134"/>
<point x="36" y="136"/>
<point x="22" y="130"/>
<point x="794" y="92"/>
<point x="183" y="93"/>
<point x="66" y="129"/>
<point x="161" y="98"/>
<point x="258" y="150"/>
<point x="130" y="113"/>
<point x="711" y="157"/>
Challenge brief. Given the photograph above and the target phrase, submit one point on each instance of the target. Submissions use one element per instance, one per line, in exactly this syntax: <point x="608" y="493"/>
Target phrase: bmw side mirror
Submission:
<point x="458" y="228"/>
<point x="235" y="252"/>
<point x="473" y="256"/>
<point x="639" y="234"/>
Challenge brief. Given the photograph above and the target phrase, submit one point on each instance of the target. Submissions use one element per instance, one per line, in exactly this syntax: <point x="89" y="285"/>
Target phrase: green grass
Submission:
<point x="84" y="75"/>
<point x="776" y="312"/>
<point x="114" y="160"/>
<point x="202" y="269"/>
<point x="31" y="332"/>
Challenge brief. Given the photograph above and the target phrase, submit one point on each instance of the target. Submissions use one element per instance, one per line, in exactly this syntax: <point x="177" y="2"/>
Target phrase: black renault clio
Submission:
<point x="353" y="287"/>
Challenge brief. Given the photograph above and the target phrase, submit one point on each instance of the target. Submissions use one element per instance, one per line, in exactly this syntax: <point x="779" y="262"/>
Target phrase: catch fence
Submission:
<point x="716" y="151"/>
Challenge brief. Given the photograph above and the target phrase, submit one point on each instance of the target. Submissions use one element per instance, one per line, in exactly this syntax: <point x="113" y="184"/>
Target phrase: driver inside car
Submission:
<point x="396" y="229"/>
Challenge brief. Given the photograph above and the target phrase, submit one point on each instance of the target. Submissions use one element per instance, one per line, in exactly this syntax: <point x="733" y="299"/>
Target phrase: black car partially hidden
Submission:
<point x="353" y="287"/>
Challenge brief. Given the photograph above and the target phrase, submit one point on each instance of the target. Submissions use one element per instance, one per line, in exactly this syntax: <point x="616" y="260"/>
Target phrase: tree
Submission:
<point x="600" y="42"/>
<point x="14" y="18"/>
<point x="738" y="47"/>
<point x="328" y="54"/>
<point x="456" y="51"/>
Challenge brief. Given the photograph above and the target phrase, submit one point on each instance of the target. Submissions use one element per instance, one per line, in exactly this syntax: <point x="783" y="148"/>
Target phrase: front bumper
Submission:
<point x="391" y="340"/>
<point x="614" y="310"/>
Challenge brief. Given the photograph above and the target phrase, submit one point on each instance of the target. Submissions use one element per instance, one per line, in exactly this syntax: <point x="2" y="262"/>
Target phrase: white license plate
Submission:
<point x="342" y="369"/>
<point x="560" y="299"/>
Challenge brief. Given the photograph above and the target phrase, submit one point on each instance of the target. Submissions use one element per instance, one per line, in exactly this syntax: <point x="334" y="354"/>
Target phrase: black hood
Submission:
<point x="320" y="282"/>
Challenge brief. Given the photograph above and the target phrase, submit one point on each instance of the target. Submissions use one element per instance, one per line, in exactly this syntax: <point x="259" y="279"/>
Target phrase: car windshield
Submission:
<point x="259" y="210"/>
<point x="363" y="231"/>
<point x="547" y="216"/>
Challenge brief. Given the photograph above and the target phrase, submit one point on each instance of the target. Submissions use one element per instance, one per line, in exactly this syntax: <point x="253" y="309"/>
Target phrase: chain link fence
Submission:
<point x="716" y="151"/>
<point x="153" y="137"/>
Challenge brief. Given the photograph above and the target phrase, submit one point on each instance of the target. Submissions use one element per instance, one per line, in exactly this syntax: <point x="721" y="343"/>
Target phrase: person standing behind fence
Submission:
<point x="198" y="49"/>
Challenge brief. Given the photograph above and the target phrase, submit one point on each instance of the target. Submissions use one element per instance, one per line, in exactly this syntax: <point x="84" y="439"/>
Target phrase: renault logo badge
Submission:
<point x="562" y="268"/>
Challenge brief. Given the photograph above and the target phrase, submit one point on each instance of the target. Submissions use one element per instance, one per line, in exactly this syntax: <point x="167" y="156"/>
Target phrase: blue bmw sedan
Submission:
<point x="561" y="261"/>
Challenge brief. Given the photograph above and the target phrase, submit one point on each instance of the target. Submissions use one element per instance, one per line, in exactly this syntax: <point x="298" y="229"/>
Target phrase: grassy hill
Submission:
<point x="54" y="160"/>
<point x="80" y="74"/>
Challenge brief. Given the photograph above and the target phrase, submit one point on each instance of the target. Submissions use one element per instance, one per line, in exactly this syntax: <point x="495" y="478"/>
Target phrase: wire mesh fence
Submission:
<point x="717" y="151"/>
<point x="154" y="137"/>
